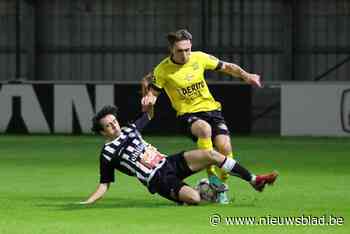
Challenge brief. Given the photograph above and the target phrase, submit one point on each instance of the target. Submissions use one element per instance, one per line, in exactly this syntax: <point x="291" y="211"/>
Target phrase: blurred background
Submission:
<point x="115" y="41"/>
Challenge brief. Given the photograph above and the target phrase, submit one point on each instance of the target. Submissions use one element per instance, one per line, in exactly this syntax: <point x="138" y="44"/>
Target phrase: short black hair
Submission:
<point x="179" y="35"/>
<point x="106" y="110"/>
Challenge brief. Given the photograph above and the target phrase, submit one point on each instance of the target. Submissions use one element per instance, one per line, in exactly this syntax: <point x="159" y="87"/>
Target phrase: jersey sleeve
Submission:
<point x="210" y="62"/>
<point x="158" y="80"/>
<point x="106" y="171"/>
<point x="141" y="121"/>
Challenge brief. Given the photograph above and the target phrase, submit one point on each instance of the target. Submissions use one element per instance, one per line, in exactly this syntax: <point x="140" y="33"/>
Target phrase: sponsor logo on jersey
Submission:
<point x="195" y="66"/>
<point x="193" y="90"/>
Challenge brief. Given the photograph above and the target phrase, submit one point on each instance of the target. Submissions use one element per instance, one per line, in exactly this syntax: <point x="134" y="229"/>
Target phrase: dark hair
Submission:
<point x="106" y="110"/>
<point x="179" y="35"/>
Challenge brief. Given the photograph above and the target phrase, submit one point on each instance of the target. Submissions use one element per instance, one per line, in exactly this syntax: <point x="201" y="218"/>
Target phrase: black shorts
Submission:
<point x="168" y="180"/>
<point x="214" y="118"/>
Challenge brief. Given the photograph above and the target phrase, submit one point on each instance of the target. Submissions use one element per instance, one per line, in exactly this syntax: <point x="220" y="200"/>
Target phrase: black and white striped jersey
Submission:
<point x="130" y="154"/>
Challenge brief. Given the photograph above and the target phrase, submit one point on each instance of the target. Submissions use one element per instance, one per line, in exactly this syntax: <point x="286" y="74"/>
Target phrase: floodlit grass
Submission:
<point x="42" y="177"/>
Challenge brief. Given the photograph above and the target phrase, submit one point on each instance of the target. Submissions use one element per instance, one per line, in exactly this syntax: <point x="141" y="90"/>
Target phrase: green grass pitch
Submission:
<point x="43" y="176"/>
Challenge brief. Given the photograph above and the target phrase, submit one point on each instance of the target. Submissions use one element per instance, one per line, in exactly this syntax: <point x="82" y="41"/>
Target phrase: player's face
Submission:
<point x="111" y="128"/>
<point x="181" y="51"/>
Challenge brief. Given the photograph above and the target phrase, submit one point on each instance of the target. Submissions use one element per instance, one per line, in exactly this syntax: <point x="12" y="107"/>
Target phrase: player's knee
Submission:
<point x="223" y="144"/>
<point x="225" y="148"/>
<point x="201" y="129"/>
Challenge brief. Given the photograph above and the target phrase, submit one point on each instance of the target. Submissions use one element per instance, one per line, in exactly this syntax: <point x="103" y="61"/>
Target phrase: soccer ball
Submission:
<point x="205" y="191"/>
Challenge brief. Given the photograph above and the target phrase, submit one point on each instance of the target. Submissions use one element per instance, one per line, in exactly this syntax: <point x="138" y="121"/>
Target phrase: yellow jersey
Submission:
<point x="185" y="84"/>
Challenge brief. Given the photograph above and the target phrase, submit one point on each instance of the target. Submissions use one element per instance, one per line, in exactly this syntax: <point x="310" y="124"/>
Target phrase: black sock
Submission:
<point x="241" y="172"/>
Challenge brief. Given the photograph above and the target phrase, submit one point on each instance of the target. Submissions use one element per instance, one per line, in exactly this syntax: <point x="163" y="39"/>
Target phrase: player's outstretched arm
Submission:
<point x="149" y="95"/>
<point x="235" y="70"/>
<point x="100" y="191"/>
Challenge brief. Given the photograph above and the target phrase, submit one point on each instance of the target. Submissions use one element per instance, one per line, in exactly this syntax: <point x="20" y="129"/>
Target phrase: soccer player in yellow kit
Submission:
<point x="181" y="75"/>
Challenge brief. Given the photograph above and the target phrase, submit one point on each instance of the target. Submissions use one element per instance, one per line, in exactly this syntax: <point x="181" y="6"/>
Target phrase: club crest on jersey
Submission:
<point x="195" y="66"/>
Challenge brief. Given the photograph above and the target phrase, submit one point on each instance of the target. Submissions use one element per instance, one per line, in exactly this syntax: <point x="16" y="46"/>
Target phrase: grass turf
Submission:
<point x="43" y="176"/>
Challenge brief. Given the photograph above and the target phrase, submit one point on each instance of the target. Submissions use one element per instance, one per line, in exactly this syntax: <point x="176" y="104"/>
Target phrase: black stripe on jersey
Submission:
<point x="116" y="148"/>
<point x="219" y="66"/>
<point x="141" y="122"/>
<point x="114" y="144"/>
<point x="144" y="182"/>
<point x="125" y="170"/>
<point x="133" y="166"/>
<point x="109" y="154"/>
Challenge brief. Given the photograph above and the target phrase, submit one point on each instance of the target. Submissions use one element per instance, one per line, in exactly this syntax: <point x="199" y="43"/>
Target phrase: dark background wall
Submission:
<point x="122" y="40"/>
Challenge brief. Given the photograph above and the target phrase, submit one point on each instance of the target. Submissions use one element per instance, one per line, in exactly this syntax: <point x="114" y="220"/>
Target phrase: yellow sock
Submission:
<point x="207" y="144"/>
<point x="204" y="143"/>
<point x="224" y="175"/>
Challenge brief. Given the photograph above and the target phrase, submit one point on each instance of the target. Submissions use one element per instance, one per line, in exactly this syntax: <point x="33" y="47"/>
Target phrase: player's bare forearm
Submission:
<point x="153" y="92"/>
<point x="236" y="71"/>
<point x="233" y="70"/>
<point x="98" y="194"/>
<point x="146" y="87"/>
<point x="149" y="95"/>
<point x="145" y="82"/>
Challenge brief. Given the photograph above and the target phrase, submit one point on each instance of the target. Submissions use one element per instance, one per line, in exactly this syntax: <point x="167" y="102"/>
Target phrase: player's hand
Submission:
<point x="253" y="79"/>
<point x="147" y="104"/>
<point x="148" y="100"/>
<point x="83" y="203"/>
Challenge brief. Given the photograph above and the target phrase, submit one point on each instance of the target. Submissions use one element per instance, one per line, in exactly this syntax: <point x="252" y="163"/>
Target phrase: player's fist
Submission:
<point x="147" y="103"/>
<point x="149" y="99"/>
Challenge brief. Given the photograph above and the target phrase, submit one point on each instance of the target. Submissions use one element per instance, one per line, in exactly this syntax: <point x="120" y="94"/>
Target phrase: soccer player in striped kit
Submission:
<point x="126" y="151"/>
<point x="181" y="76"/>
